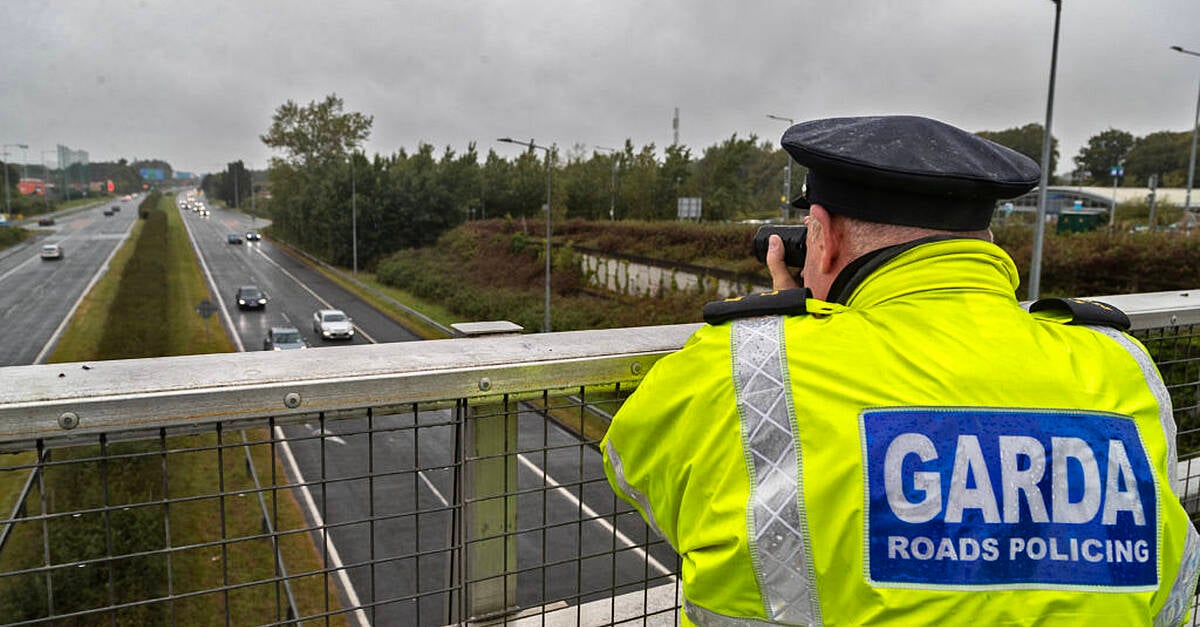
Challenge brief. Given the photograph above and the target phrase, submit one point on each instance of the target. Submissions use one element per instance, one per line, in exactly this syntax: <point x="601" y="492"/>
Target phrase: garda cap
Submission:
<point x="906" y="170"/>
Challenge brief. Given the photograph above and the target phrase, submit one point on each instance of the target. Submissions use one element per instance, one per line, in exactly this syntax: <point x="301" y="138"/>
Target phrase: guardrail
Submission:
<point x="421" y="483"/>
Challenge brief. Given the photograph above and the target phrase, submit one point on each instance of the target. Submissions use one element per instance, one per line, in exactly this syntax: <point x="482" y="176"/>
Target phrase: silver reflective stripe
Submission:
<point x="1159" y="389"/>
<point x="630" y="491"/>
<point x="708" y="618"/>
<point x="1181" y="596"/>
<point x="779" y="543"/>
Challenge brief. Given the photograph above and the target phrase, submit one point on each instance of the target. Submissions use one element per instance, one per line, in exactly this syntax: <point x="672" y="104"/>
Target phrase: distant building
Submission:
<point x="31" y="186"/>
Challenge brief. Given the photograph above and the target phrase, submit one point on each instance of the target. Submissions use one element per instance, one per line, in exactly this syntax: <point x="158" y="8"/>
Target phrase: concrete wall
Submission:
<point x="635" y="279"/>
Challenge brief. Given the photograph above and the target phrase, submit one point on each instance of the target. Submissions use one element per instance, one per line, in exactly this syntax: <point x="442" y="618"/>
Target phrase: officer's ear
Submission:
<point x="828" y="240"/>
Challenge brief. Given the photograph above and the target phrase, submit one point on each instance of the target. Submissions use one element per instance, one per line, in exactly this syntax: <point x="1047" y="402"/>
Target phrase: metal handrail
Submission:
<point x="47" y="401"/>
<point x="486" y="381"/>
<point x="77" y="399"/>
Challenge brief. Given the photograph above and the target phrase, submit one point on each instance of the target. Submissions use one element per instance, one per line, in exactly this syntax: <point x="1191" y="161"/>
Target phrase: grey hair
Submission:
<point x="863" y="237"/>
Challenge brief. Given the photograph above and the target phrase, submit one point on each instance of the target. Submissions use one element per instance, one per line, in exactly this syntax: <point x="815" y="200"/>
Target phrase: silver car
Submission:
<point x="332" y="324"/>
<point x="283" y="338"/>
<point x="51" y="251"/>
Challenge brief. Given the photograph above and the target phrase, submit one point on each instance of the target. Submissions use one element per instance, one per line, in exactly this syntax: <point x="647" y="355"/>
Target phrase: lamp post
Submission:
<point x="531" y="146"/>
<point x="253" y="208"/>
<point x="612" y="185"/>
<point x="1187" y="202"/>
<point x="1039" y="229"/>
<point x="1117" y="171"/>
<point x="353" y="217"/>
<point x="46" y="179"/>
<point x="7" y="193"/>
<point x="787" y="176"/>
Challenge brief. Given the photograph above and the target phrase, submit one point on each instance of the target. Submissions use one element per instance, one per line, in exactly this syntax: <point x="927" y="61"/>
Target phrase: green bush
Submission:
<point x="10" y="235"/>
<point x="493" y="269"/>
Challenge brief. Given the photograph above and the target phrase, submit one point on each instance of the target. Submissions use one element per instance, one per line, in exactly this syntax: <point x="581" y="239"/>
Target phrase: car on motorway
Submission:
<point x="333" y="324"/>
<point x="233" y="238"/>
<point x="51" y="251"/>
<point x="115" y="208"/>
<point x="250" y="297"/>
<point x="108" y="213"/>
<point x="46" y="221"/>
<point x="253" y="236"/>
<point x="283" y="338"/>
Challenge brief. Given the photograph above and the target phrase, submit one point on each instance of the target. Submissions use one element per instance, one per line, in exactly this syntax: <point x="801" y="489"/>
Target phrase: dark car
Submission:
<point x="107" y="212"/>
<point x="250" y="297"/>
<point x="253" y="236"/>
<point x="115" y="208"/>
<point x="45" y="221"/>
<point x="234" y="238"/>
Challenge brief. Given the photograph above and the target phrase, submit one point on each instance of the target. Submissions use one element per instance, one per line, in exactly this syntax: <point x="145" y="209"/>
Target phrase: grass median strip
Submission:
<point x="187" y="503"/>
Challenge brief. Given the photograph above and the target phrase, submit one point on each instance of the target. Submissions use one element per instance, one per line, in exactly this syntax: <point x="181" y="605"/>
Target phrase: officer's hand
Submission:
<point x="781" y="277"/>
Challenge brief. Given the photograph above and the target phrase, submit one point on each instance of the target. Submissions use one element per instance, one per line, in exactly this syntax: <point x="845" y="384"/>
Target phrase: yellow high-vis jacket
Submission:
<point x="928" y="453"/>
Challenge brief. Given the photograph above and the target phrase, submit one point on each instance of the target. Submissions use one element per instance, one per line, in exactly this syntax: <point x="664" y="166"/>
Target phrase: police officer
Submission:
<point x="899" y="441"/>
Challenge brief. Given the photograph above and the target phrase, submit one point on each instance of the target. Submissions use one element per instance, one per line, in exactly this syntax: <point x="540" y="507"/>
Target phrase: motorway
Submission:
<point x="37" y="295"/>
<point x="398" y="469"/>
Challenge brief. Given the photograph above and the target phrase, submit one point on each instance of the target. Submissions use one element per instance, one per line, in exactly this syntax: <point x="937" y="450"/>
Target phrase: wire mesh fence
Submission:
<point x="451" y="489"/>
<point x="490" y="506"/>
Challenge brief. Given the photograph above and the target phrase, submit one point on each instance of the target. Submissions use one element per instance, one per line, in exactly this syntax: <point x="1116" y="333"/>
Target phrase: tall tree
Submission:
<point x="318" y="132"/>
<point x="723" y="174"/>
<point x="1164" y="154"/>
<point x="1102" y="152"/>
<point x="311" y="182"/>
<point x="674" y="179"/>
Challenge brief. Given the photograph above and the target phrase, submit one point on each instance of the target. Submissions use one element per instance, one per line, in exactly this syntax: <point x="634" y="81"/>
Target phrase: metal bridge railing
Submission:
<point x="423" y="483"/>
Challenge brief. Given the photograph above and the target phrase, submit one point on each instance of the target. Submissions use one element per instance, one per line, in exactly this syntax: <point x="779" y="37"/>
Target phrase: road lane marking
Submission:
<point x="311" y="505"/>
<point x="62" y="326"/>
<point x="312" y="293"/>
<point x="595" y="516"/>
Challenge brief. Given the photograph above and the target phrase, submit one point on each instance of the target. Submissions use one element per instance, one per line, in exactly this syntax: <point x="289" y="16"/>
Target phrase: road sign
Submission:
<point x="1116" y="170"/>
<point x="206" y="309"/>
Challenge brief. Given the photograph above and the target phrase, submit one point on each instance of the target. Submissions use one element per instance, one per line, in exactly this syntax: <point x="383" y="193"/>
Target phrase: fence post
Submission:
<point x="489" y="503"/>
<point x="490" y="507"/>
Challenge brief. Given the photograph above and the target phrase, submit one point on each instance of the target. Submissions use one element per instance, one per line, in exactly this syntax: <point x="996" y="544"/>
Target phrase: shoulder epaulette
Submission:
<point x="774" y="303"/>
<point x="1085" y="311"/>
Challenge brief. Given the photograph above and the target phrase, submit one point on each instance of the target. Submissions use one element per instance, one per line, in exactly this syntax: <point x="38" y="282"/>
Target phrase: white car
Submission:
<point x="51" y="251"/>
<point x="333" y="324"/>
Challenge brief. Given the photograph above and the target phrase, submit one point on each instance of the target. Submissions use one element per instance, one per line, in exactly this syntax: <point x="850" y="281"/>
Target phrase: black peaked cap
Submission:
<point x="906" y="170"/>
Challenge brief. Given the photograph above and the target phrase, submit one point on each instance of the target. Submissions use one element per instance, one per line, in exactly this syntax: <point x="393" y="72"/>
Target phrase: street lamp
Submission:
<point x="1039" y="229"/>
<point x="46" y="179"/>
<point x="787" y="176"/>
<point x="531" y="146"/>
<point x="7" y="193"/>
<point x="1187" y="202"/>
<point x="612" y="186"/>
<point x="353" y="217"/>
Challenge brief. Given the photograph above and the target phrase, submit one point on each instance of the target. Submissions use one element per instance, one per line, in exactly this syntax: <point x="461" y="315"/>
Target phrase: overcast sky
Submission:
<point x="195" y="83"/>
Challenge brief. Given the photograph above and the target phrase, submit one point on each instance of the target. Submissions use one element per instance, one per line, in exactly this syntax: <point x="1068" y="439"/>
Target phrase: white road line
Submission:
<point x="591" y="513"/>
<point x="436" y="492"/>
<point x="212" y="285"/>
<point x="309" y="503"/>
<point x="18" y="267"/>
<point x="334" y="556"/>
<point x="62" y="326"/>
<point x="420" y="473"/>
<point x="309" y="290"/>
